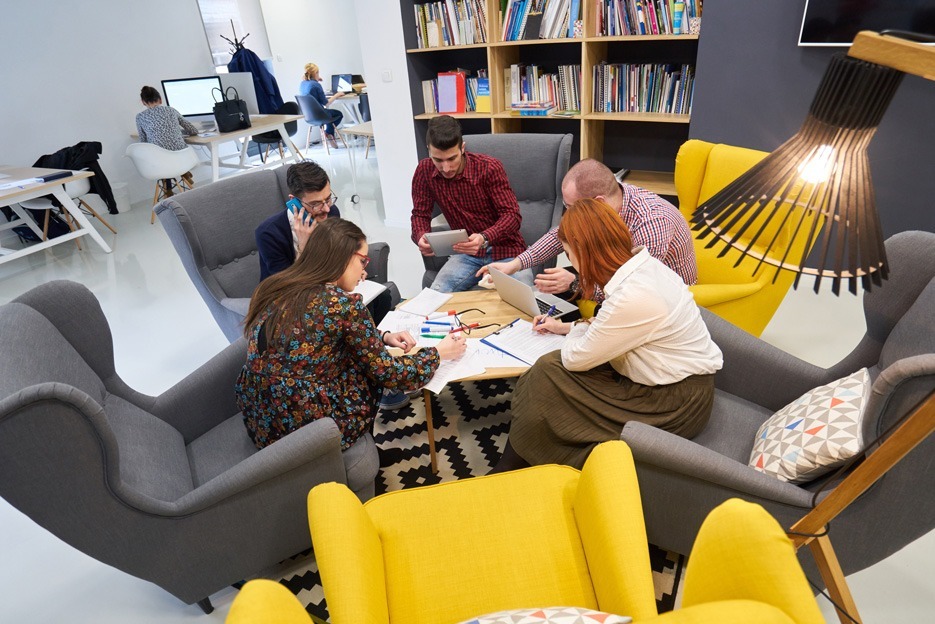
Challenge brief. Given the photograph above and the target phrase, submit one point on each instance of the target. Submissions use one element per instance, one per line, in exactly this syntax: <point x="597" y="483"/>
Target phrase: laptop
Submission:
<point x="342" y="83"/>
<point x="526" y="299"/>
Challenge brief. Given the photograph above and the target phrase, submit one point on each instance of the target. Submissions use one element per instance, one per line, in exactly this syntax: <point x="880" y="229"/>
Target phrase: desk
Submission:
<point x="496" y="312"/>
<point x="350" y="105"/>
<point x="260" y="124"/>
<point x="12" y="197"/>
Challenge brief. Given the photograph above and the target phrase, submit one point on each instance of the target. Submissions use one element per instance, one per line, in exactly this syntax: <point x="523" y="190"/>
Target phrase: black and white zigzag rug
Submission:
<point x="471" y="422"/>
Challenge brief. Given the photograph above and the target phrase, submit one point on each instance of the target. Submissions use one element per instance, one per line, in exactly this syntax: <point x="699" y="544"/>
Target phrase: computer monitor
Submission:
<point x="342" y="82"/>
<point x="192" y="97"/>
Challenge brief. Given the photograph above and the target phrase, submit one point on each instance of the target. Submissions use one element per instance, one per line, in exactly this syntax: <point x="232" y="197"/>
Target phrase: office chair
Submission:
<point x="317" y="116"/>
<point x="269" y="139"/>
<point x="76" y="190"/>
<point x="163" y="167"/>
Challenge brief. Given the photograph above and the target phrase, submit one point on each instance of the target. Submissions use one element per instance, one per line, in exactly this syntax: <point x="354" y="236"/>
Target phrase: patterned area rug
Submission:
<point x="471" y="421"/>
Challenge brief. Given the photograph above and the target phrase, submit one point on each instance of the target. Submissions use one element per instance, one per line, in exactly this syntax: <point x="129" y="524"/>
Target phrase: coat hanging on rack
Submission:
<point x="268" y="98"/>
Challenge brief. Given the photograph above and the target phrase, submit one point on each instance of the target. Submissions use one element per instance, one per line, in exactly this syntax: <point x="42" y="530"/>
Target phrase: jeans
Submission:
<point x="458" y="273"/>
<point x="336" y="118"/>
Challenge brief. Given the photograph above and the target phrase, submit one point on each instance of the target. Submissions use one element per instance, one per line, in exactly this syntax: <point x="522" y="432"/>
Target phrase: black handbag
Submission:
<point x="230" y="113"/>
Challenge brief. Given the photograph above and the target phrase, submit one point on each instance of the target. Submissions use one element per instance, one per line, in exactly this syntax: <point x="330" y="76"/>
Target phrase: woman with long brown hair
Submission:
<point x="646" y="356"/>
<point x="314" y="351"/>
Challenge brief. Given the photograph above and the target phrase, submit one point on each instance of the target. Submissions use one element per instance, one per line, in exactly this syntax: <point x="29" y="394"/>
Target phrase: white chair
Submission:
<point x="76" y="190"/>
<point x="162" y="165"/>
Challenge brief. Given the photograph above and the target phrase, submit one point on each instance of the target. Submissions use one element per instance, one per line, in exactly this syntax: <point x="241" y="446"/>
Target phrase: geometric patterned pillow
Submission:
<point x="550" y="615"/>
<point x="814" y="434"/>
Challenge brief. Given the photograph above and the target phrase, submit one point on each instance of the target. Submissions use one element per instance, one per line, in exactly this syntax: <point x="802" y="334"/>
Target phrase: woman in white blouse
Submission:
<point x="646" y="356"/>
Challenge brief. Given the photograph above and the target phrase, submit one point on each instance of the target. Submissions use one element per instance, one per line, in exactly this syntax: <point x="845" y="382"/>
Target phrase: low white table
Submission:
<point x="12" y="197"/>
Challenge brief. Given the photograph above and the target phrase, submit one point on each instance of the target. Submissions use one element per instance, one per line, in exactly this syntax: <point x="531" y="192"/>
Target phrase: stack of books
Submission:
<point x="645" y="17"/>
<point x="646" y="88"/>
<point x="534" y="92"/>
<point x="452" y="22"/>
<point x="539" y="19"/>
<point x="457" y="92"/>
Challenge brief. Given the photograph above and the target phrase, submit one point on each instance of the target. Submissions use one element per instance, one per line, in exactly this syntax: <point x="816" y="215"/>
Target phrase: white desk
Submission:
<point x="360" y="130"/>
<point x="260" y="124"/>
<point x="12" y="197"/>
<point x="350" y="105"/>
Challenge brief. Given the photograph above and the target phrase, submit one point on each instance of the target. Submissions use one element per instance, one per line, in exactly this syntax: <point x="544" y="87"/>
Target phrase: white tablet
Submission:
<point x="442" y="242"/>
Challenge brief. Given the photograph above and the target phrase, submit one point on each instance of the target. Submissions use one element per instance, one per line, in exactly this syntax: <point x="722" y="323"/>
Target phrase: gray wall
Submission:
<point x="754" y="86"/>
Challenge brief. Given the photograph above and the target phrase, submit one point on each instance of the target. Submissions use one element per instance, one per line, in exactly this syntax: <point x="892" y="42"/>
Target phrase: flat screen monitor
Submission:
<point x="837" y="22"/>
<point x="342" y="82"/>
<point x="191" y="96"/>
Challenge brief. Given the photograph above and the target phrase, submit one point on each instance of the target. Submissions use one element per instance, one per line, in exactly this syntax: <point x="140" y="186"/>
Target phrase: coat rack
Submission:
<point x="237" y="43"/>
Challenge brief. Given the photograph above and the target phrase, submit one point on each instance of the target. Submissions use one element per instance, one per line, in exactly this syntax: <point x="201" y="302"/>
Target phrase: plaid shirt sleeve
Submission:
<point x="422" y="203"/>
<point x="504" y="202"/>
<point x="542" y="250"/>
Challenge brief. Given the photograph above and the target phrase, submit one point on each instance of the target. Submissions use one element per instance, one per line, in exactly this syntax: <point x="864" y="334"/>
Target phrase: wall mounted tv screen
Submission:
<point x="191" y="97"/>
<point x="837" y="22"/>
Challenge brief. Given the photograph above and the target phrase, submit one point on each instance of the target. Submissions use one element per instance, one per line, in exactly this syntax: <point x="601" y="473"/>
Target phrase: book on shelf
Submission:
<point x="482" y="101"/>
<point x="450" y="22"/>
<point x="539" y="19"/>
<point x="451" y="96"/>
<point x="645" y="17"/>
<point x="643" y="88"/>
<point x="531" y="88"/>
<point x="533" y="25"/>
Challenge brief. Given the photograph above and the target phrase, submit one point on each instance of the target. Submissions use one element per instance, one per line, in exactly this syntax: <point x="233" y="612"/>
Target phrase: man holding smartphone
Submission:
<point x="474" y="194"/>
<point x="281" y="238"/>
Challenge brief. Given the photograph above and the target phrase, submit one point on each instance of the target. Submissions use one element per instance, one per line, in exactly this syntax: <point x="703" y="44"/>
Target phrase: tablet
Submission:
<point x="442" y="242"/>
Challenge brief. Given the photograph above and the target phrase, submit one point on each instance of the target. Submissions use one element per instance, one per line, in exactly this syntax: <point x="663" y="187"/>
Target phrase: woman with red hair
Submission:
<point x="646" y="356"/>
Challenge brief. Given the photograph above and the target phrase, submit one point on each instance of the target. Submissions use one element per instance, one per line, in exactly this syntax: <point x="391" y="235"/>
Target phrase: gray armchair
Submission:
<point x="682" y="480"/>
<point x="169" y="488"/>
<point x="212" y="229"/>
<point x="535" y="165"/>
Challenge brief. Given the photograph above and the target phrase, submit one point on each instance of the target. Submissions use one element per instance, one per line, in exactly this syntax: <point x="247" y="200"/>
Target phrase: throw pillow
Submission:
<point x="550" y="615"/>
<point x="814" y="434"/>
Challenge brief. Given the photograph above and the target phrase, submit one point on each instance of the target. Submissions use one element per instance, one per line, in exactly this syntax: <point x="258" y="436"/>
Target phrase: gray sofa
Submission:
<point x="168" y="488"/>
<point x="535" y="165"/>
<point x="682" y="480"/>
<point x="212" y="229"/>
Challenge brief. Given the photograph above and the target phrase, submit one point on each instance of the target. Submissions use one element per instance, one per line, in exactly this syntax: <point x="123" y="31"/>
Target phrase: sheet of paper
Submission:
<point x="451" y="370"/>
<point x="489" y="357"/>
<point x="15" y="183"/>
<point x="396" y="321"/>
<point x="521" y="342"/>
<point x="425" y="302"/>
<point x="369" y="290"/>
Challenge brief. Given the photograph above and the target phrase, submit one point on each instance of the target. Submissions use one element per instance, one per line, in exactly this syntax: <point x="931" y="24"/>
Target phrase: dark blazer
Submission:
<point x="274" y="243"/>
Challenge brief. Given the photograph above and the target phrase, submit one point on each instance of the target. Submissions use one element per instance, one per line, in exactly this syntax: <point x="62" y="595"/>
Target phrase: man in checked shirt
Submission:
<point x="473" y="193"/>
<point x="653" y="222"/>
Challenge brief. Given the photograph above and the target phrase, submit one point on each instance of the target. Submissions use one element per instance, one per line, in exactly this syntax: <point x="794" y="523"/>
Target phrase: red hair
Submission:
<point x="599" y="240"/>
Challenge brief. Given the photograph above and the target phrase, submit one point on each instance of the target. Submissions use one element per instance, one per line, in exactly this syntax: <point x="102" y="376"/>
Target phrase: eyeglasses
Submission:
<point x="365" y="260"/>
<point x="318" y="205"/>
<point x="466" y="328"/>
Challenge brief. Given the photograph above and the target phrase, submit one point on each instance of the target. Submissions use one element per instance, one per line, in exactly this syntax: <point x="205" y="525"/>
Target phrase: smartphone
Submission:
<point x="294" y="205"/>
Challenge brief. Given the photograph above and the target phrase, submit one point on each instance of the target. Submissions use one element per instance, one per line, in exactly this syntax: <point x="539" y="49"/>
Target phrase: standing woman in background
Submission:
<point x="313" y="349"/>
<point x="647" y="355"/>
<point x="163" y="126"/>
<point x="312" y="86"/>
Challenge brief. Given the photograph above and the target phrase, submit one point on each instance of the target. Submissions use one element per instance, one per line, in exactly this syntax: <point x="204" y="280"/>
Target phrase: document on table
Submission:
<point x="521" y="342"/>
<point x="369" y="290"/>
<point x="491" y="357"/>
<point x="425" y="302"/>
<point x="452" y="370"/>
<point x="396" y="321"/>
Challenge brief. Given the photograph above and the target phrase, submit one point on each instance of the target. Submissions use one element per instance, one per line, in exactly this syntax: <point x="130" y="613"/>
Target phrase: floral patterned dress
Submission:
<point x="335" y="367"/>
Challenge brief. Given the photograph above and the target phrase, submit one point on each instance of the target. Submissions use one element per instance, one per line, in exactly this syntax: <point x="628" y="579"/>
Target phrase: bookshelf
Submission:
<point x="644" y="142"/>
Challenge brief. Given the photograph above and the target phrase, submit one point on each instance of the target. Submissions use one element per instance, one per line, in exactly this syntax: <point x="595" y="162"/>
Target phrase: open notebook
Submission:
<point x="519" y="340"/>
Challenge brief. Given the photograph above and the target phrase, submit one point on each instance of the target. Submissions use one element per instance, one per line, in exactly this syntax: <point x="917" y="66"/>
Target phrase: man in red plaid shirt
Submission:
<point x="474" y="194"/>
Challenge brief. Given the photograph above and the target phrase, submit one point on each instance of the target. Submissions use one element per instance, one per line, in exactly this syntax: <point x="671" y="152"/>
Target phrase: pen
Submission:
<point x="463" y="327"/>
<point x="442" y="323"/>
<point x="547" y="314"/>
<point x="439" y="336"/>
<point x="435" y="315"/>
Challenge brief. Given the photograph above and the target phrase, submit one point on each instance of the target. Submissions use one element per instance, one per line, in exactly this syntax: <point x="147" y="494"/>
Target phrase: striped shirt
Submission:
<point x="654" y="224"/>
<point x="479" y="200"/>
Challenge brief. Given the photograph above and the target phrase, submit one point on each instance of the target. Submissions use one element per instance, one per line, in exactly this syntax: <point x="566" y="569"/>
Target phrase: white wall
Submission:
<point x="380" y="27"/>
<point x="310" y="31"/>
<point x="251" y="18"/>
<point x="72" y="71"/>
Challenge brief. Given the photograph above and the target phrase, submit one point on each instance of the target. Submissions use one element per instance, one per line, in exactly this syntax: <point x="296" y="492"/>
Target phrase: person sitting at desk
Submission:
<point x="314" y="351"/>
<point x="163" y="126"/>
<point x="281" y="238"/>
<point x="312" y="86"/>
<point x="646" y="356"/>
<point x="653" y="223"/>
<point x="474" y="194"/>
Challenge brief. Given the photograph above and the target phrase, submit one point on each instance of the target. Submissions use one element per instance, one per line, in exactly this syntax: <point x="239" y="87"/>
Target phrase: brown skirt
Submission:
<point x="560" y="415"/>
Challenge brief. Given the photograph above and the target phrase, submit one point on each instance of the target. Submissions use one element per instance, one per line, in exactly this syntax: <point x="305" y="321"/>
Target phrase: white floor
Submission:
<point x="162" y="331"/>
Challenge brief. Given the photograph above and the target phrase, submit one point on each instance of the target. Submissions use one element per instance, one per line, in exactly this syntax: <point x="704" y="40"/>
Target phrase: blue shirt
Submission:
<point x="314" y="89"/>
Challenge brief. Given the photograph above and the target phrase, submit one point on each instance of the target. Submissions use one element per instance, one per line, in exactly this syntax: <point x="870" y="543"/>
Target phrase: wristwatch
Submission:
<point x="486" y="242"/>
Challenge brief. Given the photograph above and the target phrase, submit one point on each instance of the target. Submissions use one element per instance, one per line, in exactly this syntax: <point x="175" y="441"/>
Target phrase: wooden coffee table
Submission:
<point x="496" y="311"/>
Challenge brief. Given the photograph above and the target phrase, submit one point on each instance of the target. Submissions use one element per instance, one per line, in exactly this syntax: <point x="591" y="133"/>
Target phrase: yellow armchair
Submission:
<point x="543" y="536"/>
<point x="739" y="295"/>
